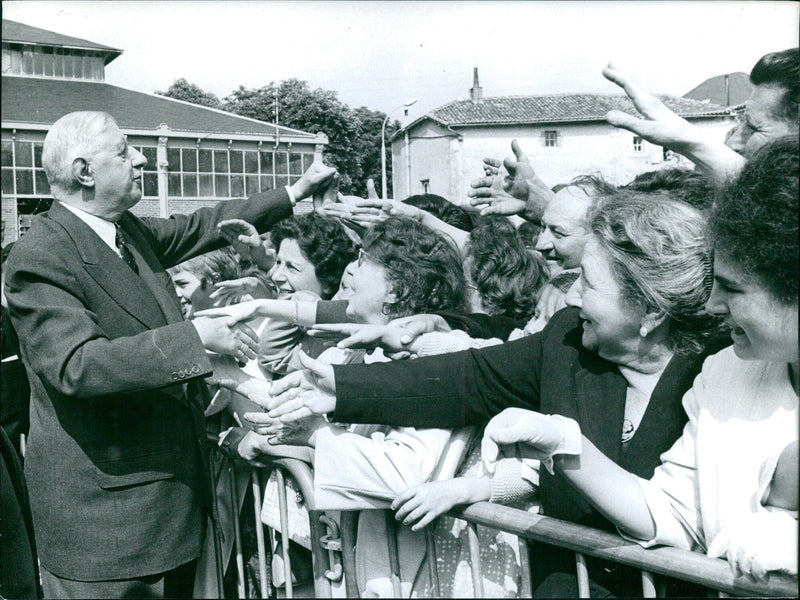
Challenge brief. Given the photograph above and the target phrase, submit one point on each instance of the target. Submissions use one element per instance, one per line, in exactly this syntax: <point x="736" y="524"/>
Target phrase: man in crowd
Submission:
<point x="114" y="460"/>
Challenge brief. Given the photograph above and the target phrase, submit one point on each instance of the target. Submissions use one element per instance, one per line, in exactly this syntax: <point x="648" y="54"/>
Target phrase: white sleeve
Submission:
<point x="438" y="342"/>
<point x="354" y="471"/>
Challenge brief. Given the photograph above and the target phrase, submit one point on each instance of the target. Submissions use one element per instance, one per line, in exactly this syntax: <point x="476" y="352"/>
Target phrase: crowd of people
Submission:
<point x="621" y="356"/>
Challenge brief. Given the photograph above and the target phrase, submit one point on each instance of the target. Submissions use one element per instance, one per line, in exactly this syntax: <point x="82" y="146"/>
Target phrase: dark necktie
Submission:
<point x="126" y="253"/>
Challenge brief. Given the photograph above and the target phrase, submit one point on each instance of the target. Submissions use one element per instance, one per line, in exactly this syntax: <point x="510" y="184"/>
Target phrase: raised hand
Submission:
<point x="254" y="389"/>
<point x="324" y="196"/>
<point x="242" y="235"/>
<point x="416" y="325"/>
<point x="317" y="176"/>
<point x="224" y="335"/>
<point x="233" y="289"/>
<point x="536" y="436"/>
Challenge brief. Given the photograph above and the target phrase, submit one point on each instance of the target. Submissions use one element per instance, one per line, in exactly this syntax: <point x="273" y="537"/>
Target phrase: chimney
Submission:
<point x="476" y="91"/>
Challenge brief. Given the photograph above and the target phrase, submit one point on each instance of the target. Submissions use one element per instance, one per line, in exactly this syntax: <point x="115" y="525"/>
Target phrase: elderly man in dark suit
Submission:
<point x="114" y="461"/>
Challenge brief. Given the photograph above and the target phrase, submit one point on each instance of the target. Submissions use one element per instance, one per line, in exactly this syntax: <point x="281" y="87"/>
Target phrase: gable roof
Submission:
<point x="43" y="101"/>
<point x="20" y="33"/>
<point x="557" y="108"/>
<point x="713" y="89"/>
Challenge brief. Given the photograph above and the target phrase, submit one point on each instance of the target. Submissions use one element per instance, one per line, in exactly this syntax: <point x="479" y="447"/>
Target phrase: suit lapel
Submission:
<point x="109" y="271"/>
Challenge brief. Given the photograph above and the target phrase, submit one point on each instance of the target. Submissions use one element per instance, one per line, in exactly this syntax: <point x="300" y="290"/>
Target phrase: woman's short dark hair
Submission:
<point x="661" y="260"/>
<point x="754" y="219"/>
<point x="421" y="265"/>
<point x="781" y="69"/>
<point x="323" y="242"/>
<point x="506" y="275"/>
<point x="441" y="208"/>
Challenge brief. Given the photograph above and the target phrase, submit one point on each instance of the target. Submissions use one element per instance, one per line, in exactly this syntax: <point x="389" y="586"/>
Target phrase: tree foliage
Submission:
<point x="354" y="134"/>
<point x="189" y="92"/>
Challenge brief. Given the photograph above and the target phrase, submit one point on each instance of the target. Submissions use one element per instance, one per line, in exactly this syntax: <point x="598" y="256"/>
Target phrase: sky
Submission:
<point x="381" y="54"/>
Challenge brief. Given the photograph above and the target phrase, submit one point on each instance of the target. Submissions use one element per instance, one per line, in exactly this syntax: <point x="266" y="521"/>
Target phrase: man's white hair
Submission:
<point x="75" y="135"/>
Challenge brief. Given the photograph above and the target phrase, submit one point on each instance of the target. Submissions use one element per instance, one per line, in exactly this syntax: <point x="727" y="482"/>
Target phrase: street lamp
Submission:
<point x="405" y="104"/>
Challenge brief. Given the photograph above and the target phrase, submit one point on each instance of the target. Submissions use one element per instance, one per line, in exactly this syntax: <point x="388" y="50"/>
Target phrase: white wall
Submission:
<point x="451" y="164"/>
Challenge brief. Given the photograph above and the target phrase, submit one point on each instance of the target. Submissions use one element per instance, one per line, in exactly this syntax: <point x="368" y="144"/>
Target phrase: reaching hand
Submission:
<point x="303" y="393"/>
<point x="299" y="432"/>
<point x="660" y="126"/>
<point x="242" y="236"/>
<point x="225" y="336"/>
<point x="317" y="176"/>
<point x="537" y="435"/>
<point x="757" y="543"/>
<point x="254" y="389"/>
<point x="244" y="311"/>
<point x="231" y="291"/>
<point x="366" y="336"/>
<point x="418" y="506"/>
<point x="416" y="325"/>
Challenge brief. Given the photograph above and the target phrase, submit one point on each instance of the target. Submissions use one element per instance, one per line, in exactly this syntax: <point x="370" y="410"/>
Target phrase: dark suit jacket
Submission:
<point x="114" y="463"/>
<point x="550" y="372"/>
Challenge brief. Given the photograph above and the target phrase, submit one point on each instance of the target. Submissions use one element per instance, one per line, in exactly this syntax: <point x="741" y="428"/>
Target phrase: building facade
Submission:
<point x="564" y="136"/>
<point x="196" y="156"/>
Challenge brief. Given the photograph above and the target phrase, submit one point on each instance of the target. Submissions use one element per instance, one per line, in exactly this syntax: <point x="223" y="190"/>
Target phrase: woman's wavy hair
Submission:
<point x="661" y="260"/>
<point x="754" y="219"/>
<point x="506" y="275"/>
<point x="421" y="266"/>
<point x="323" y="242"/>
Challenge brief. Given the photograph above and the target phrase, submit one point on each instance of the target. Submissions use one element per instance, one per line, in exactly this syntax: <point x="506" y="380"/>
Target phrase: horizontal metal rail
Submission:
<point x="673" y="562"/>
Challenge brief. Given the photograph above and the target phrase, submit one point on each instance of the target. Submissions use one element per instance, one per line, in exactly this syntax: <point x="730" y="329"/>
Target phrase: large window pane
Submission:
<point x="24" y="179"/>
<point x="150" y="184"/>
<point x="295" y="164"/>
<point x="221" y="186"/>
<point x="307" y="160"/>
<point x="27" y="62"/>
<point x="190" y="185"/>
<point x="42" y="187"/>
<point x="220" y="161"/>
<point x="174" y="185"/>
<point x="204" y="159"/>
<point x="206" y="185"/>
<point x="38" y="62"/>
<point x="16" y="61"/>
<point x="22" y="154"/>
<point x="251" y="162"/>
<point x="251" y="184"/>
<point x="7" y="156"/>
<point x="267" y="160"/>
<point x="174" y="159"/>
<point x="237" y="162"/>
<point x="267" y="183"/>
<point x="189" y="160"/>
<point x="152" y="158"/>
<point x="8" y="181"/>
<point x="37" y="155"/>
<point x="48" y="62"/>
<point x="58" y="63"/>
<point x="281" y="180"/>
<point x="237" y="186"/>
<point x="281" y="164"/>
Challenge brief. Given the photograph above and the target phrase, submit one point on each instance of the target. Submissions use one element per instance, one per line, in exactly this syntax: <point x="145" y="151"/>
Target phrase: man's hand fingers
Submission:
<point x="492" y="162"/>
<point x="292" y="380"/>
<point x="290" y="405"/>
<point x="257" y="418"/>
<point x="617" y="118"/>
<point x="481" y="182"/>
<point x="318" y="369"/>
<point x="403" y="497"/>
<point x="515" y="148"/>
<point x="371" y="192"/>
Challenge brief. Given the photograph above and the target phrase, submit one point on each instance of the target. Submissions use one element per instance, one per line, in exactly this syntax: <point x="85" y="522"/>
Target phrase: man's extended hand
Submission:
<point x="317" y="176"/>
<point x="225" y="336"/>
<point x="242" y="235"/>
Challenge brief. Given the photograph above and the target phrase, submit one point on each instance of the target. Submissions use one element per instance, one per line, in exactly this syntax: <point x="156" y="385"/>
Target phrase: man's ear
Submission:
<point x="82" y="172"/>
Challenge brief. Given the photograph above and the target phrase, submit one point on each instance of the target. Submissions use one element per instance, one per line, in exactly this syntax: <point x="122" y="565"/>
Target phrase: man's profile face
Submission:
<point x="761" y="121"/>
<point x="564" y="234"/>
<point x="117" y="171"/>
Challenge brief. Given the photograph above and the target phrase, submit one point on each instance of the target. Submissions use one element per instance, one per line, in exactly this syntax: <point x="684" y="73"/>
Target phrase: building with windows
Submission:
<point x="564" y="135"/>
<point x="195" y="155"/>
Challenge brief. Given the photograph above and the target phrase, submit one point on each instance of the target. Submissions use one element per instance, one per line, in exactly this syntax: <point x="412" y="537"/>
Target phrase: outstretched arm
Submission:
<point x="663" y="127"/>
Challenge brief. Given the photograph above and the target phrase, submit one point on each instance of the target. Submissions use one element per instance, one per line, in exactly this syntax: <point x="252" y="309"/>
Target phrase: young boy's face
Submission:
<point x="193" y="292"/>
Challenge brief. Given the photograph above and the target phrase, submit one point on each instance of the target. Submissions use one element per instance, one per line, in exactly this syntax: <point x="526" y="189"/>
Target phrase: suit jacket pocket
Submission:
<point x="138" y="470"/>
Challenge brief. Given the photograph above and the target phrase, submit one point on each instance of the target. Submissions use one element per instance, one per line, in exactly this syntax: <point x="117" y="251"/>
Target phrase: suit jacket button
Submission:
<point x="175" y="376"/>
<point x="195" y="369"/>
<point x="182" y="374"/>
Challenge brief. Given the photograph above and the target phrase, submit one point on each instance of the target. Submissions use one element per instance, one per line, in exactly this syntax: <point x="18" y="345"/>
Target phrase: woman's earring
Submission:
<point x="643" y="331"/>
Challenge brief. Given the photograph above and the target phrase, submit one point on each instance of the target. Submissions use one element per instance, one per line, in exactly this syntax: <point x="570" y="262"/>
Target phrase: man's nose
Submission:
<point x="137" y="158"/>
<point x="736" y="138"/>
<point x="545" y="241"/>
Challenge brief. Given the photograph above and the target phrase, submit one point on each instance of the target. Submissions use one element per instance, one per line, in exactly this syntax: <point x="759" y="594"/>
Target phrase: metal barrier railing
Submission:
<point x="583" y="541"/>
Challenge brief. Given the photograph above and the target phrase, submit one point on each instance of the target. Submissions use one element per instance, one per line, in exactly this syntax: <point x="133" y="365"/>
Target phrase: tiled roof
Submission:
<point x="21" y="33"/>
<point x="713" y="89"/>
<point x="513" y="110"/>
<point x="43" y="101"/>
